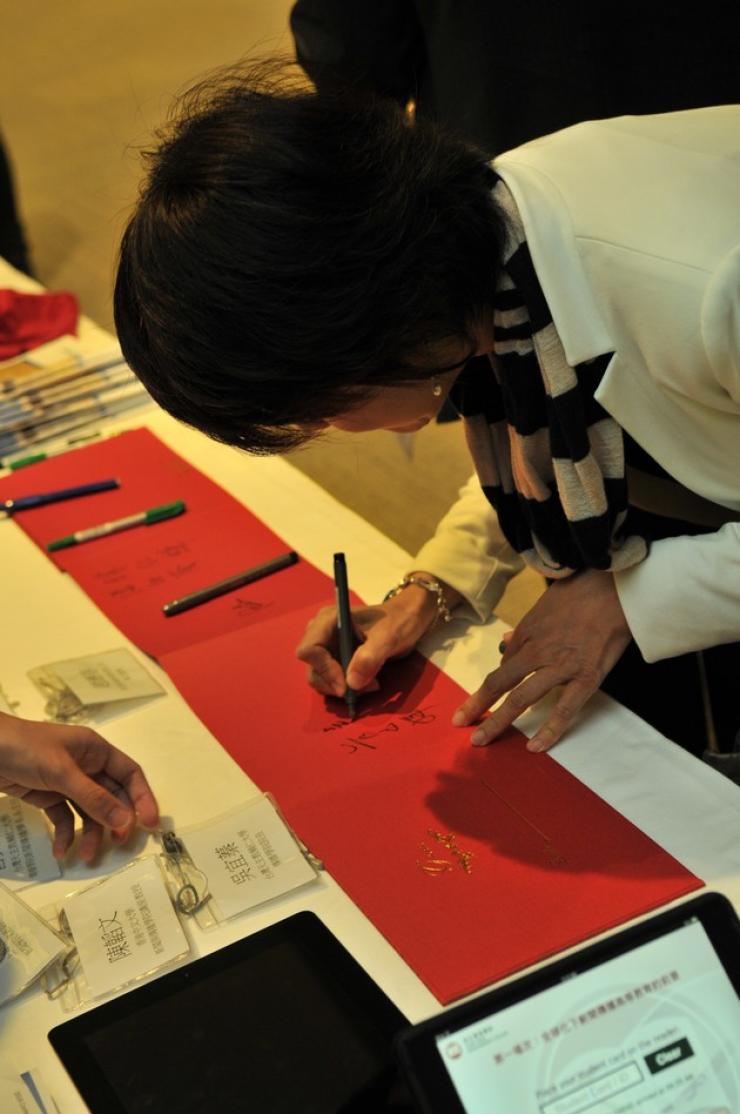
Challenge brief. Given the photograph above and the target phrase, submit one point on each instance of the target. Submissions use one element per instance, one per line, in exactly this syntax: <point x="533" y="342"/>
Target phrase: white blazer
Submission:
<point x="633" y="225"/>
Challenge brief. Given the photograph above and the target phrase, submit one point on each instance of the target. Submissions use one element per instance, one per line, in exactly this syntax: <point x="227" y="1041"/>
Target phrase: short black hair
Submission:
<point x="293" y="251"/>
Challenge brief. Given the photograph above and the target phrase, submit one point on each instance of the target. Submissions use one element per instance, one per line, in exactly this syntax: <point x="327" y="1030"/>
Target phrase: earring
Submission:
<point x="436" y="388"/>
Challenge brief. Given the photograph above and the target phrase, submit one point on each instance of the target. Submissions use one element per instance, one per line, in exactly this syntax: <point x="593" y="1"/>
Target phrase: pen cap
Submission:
<point x="61" y="543"/>
<point x="167" y="510"/>
<point x="24" y="461"/>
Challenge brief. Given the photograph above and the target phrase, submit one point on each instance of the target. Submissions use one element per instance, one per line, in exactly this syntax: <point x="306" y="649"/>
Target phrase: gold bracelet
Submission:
<point x="433" y="586"/>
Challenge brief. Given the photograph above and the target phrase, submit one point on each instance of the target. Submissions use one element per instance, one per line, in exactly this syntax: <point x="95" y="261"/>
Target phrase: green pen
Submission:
<point x="143" y="518"/>
<point x="35" y="458"/>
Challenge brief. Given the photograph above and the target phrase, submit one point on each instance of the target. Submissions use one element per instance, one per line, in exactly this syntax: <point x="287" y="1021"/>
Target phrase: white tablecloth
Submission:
<point x="686" y="807"/>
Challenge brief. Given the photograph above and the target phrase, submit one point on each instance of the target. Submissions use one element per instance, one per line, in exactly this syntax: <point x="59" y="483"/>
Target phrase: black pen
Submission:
<point x="344" y="626"/>
<point x="221" y="587"/>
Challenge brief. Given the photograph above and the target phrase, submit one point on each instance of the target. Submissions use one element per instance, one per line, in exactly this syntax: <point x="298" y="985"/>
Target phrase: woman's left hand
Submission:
<point x="573" y="636"/>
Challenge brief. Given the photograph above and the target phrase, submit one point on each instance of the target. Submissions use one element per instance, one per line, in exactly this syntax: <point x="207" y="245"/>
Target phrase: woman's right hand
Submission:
<point x="385" y="631"/>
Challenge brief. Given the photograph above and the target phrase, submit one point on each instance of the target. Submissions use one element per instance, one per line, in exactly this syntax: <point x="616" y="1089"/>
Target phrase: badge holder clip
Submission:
<point x="187" y="884"/>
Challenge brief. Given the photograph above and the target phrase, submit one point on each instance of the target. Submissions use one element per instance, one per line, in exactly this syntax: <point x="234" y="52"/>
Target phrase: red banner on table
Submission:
<point x="131" y="575"/>
<point x="473" y="862"/>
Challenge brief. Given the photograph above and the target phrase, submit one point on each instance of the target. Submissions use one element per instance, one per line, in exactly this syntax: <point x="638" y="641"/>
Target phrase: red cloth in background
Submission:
<point x="28" y="320"/>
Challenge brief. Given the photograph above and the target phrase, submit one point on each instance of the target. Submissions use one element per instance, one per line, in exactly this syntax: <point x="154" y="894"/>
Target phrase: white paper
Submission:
<point x="33" y="1079"/>
<point x="85" y="348"/>
<point x="23" y="1092"/>
<point x="25" y="843"/>
<point x="15" y="1097"/>
<point x="248" y="857"/>
<point x="32" y="945"/>
<point x="104" y="678"/>
<point x="125" y="927"/>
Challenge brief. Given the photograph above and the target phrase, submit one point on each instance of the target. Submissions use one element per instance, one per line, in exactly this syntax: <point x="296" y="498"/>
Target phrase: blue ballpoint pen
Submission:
<point x="26" y="502"/>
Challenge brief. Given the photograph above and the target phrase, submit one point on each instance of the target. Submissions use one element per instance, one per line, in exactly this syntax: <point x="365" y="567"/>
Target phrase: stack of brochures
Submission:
<point x="62" y="389"/>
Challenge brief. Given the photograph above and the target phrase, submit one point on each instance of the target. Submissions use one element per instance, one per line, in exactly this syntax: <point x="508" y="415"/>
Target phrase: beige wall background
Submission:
<point x="83" y="86"/>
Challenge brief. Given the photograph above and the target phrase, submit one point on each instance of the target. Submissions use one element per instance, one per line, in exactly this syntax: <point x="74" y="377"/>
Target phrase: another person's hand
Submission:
<point x="385" y="631"/>
<point x="54" y="766"/>
<point x="572" y="637"/>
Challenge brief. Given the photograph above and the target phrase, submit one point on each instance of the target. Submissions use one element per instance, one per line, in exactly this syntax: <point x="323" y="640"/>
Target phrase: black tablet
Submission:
<point x="284" y="1021"/>
<point x="646" y="1021"/>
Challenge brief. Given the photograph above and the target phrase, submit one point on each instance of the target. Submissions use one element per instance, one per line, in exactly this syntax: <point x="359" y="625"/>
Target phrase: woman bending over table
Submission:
<point x="300" y="261"/>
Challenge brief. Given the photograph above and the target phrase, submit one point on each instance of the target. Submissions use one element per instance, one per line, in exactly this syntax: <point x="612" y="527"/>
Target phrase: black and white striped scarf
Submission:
<point x="549" y="457"/>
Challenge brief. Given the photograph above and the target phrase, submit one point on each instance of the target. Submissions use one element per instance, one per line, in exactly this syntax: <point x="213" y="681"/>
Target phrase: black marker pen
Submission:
<point x="221" y="587"/>
<point x="344" y="626"/>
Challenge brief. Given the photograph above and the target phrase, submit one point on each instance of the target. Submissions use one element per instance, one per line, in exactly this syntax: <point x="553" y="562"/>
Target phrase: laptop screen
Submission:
<point x="656" y="1028"/>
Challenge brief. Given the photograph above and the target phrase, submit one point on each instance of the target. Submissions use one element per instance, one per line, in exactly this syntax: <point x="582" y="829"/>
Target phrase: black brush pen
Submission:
<point x="239" y="580"/>
<point x="344" y="627"/>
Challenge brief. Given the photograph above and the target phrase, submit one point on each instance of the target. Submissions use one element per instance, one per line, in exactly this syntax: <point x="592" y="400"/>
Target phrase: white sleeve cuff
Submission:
<point x="685" y="595"/>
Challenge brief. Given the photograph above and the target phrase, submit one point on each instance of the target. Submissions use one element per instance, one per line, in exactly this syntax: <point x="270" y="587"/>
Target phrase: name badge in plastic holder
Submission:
<point x="239" y="860"/>
<point x="95" y="687"/>
<point x="28" y="946"/>
<point x="124" y="929"/>
<point x="26" y="854"/>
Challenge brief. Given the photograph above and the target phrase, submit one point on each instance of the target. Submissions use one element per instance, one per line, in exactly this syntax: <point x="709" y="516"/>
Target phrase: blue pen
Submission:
<point x="26" y="502"/>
